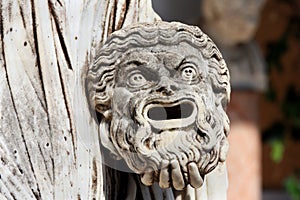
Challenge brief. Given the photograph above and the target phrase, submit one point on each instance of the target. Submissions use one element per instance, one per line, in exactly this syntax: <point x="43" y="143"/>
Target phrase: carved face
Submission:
<point x="161" y="112"/>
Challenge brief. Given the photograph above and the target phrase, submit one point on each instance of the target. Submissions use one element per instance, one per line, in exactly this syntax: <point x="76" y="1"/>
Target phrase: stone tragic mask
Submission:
<point x="161" y="91"/>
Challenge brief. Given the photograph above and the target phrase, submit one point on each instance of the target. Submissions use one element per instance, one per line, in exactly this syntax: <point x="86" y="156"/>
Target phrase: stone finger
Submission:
<point x="164" y="176"/>
<point x="196" y="180"/>
<point x="177" y="178"/>
<point x="147" y="178"/>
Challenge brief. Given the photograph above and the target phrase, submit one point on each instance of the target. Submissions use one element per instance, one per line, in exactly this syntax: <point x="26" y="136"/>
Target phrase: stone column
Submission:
<point x="232" y="24"/>
<point x="244" y="157"/>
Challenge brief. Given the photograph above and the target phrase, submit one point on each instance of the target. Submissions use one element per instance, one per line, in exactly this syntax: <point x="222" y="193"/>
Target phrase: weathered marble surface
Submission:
<point x="160" y="91"/>
<point x="48" y="141"/>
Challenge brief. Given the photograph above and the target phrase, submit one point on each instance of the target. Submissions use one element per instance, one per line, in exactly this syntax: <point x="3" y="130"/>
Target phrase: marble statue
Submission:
<point x="160" y="91"/>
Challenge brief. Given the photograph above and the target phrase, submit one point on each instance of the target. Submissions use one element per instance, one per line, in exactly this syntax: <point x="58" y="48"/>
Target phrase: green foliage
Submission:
<point x="289" y="125"/>
<point x="292" y="186"/>
<point x="277" y="150"/>
<point x="275" y="138"/>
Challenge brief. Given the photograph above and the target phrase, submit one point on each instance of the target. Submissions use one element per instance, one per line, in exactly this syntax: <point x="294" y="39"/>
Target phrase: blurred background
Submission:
<point x="260" y="41"/>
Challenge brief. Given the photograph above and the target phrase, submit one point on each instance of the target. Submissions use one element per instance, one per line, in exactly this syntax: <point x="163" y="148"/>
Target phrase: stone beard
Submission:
<point x="161" y="90"/>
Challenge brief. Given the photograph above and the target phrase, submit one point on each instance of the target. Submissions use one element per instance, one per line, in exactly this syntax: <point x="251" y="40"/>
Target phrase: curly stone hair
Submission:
<point x="101" y="75"/>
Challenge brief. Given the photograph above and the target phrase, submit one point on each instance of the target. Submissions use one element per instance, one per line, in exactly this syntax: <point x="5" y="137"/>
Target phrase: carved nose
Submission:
<point x="166" y="86"/>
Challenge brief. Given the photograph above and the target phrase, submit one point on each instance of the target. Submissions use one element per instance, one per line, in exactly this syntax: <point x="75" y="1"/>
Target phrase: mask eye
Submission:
<point x="136" y="79"/>
<point x="189" y="73"/>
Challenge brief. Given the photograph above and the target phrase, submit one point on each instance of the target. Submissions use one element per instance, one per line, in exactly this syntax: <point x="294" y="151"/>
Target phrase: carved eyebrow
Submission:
<point x="135" y="62"/>
<point x="189" y="59"/>
<point x="181" y="62"/>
